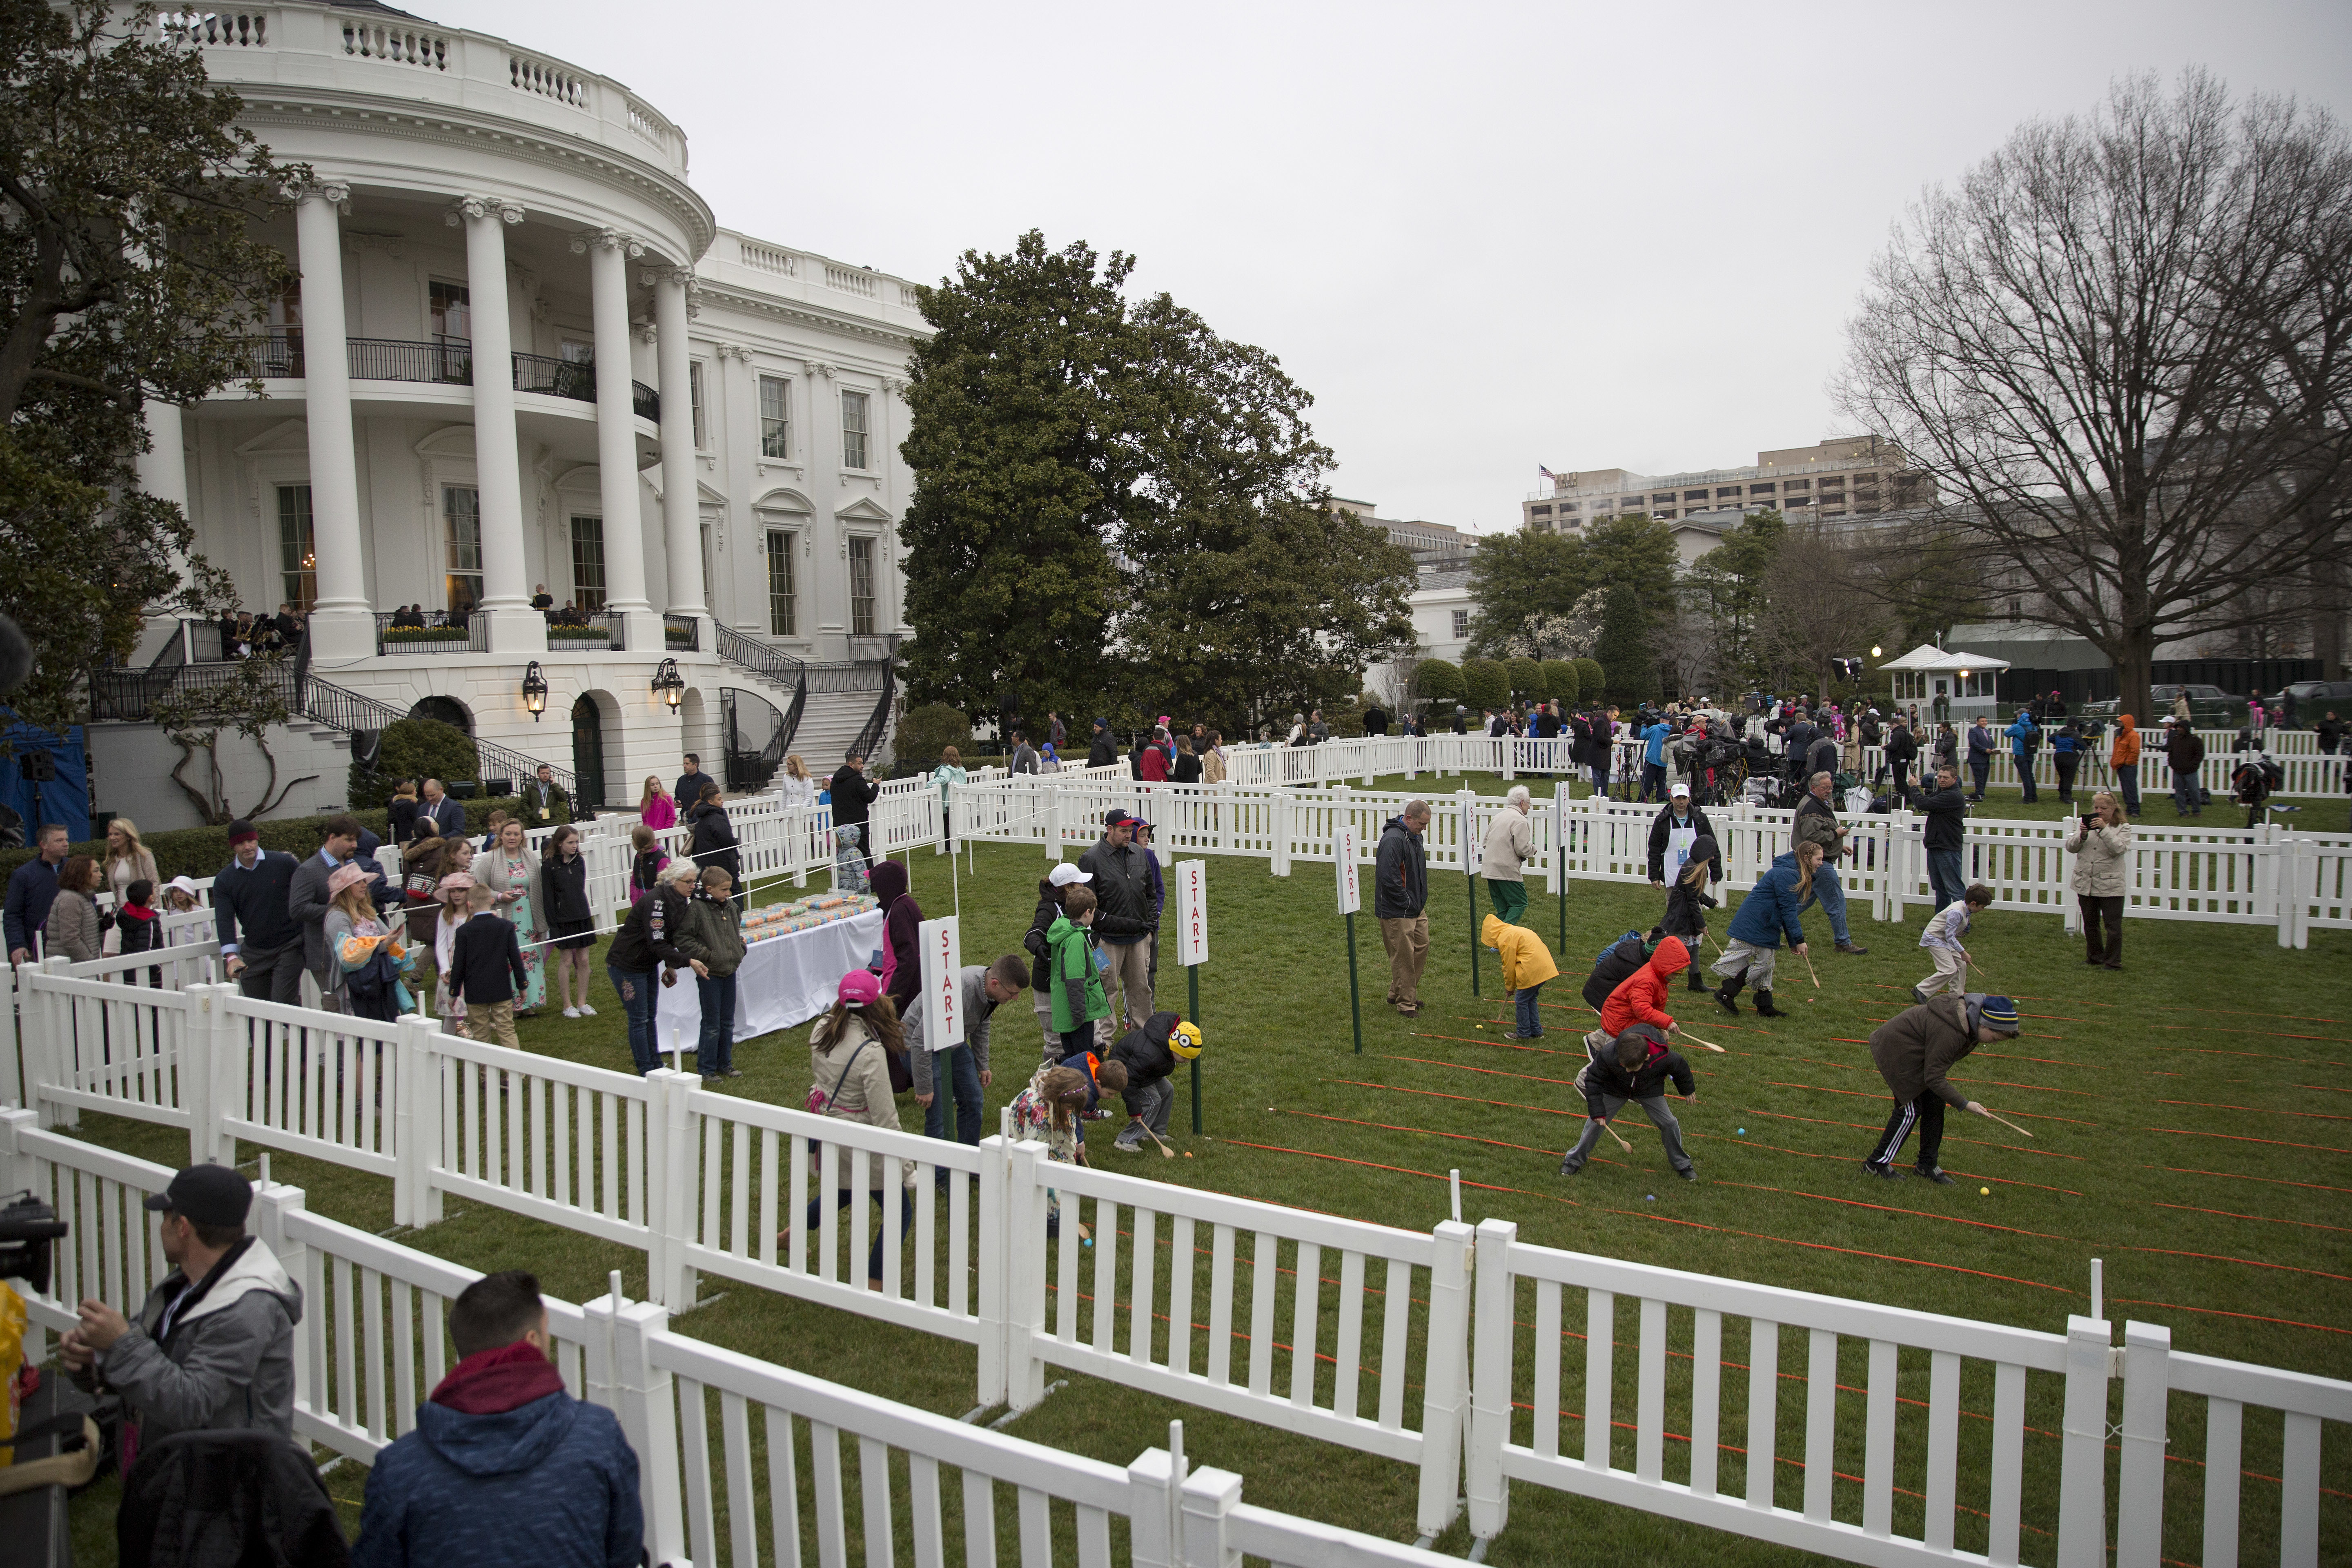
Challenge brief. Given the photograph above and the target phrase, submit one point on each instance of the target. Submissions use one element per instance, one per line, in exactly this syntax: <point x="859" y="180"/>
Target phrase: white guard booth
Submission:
<point x="1946" y="683"/>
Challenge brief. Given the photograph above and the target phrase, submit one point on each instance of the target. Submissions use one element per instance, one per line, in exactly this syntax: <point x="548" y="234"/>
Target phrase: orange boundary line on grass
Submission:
<point x="2258" y="1056"/>
<point x="1890" y="1208"/>
<point x="1499" y="1045"/>
<point x="2218" y="1312"/>
<point x="1427" y="1131"/>
<point x="1400" y="1170"/>
<point x="2315" y="1115"/>
<point x="1467" y="1099"/>
<point x="2240" y="1176"/>
<point x="2272" y="1034"/>
<point x="2242" y="1137"/>
<point x="1491" y="1072"/>
<point x="2248" y="1262"/>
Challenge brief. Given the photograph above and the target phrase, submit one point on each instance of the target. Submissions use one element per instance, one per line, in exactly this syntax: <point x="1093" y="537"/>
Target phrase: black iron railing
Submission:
<point x="754" y="736"/>
<point x="682" y="634"/>
<point x="441" y="360"/>
<point x="449" y="361"/>
<point x="600" y="633"/>
<point x="276" y="356"/>
<point x="766" y="660"/>
<point x="575" y="379"/>
<point x="468" y="634"/>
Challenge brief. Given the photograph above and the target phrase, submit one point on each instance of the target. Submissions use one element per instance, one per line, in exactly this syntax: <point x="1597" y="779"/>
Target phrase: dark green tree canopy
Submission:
<point x="1524" y="581"/>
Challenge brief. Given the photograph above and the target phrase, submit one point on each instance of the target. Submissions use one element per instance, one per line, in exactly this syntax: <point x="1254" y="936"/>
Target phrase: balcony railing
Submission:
<point x="447" y="362"/>
<point x="682" y="634"/>
<point x="599" y="634"/>
<point x="469" y="635"/>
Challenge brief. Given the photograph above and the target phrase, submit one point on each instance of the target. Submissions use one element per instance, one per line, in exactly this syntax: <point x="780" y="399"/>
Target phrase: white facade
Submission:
<point x="1855" y="475"/>
<point x="478" y="203"/>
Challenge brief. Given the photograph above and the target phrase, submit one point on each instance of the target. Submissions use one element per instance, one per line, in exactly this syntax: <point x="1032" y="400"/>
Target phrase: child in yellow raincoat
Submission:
<point x="1527" y="964"/>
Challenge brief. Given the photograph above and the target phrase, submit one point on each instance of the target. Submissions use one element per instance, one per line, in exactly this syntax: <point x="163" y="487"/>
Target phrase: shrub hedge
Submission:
<point x="200" y="851"/>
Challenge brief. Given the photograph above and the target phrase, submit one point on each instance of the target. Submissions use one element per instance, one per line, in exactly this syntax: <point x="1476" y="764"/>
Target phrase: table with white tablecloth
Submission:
<point x="782" y="981"/>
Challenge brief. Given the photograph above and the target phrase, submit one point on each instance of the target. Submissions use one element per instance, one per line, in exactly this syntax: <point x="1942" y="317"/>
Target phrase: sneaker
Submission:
<point x="586" y="1011"/>
<point x="1883" y="1172"/>
<point x="1410" y="1009"/>
<point x="1127" y="1146"/>
<point x="1568" y="1170"/>
<point x="1935" y="1173"/>
<point x="1851" y="949"/>
<point x="1687" y="1175"/>
<point x="1918" y="997"/>
<point x="571" y="1012"/>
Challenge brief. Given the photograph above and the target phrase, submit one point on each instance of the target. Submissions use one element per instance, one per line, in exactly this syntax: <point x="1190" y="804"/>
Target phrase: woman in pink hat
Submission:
<point x="849" y="1065"/>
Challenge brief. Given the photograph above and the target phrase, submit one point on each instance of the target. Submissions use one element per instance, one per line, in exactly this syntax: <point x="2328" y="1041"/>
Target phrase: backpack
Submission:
<point x="1614" y="943"/>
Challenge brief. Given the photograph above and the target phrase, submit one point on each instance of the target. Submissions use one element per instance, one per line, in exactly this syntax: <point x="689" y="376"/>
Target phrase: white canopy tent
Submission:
<point x="1948" y="683"/>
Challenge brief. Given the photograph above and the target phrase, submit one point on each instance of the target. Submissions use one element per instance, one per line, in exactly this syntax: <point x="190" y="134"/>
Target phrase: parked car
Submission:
<point x="2313" y="699"/>
<point x="2210" y="707"/>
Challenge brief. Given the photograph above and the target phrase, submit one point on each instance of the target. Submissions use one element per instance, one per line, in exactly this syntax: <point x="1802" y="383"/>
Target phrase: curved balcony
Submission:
<point x="446" y="362"/>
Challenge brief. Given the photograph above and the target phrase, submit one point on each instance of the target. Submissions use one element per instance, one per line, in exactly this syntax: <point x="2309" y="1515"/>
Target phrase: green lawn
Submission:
<point x="2189" y="1112"/>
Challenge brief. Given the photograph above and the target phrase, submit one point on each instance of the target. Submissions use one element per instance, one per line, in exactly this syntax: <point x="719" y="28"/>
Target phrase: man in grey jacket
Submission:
<point x="213" y="1348"/>
<point x="309" y="899"/>
<point x="944" y="1072"/>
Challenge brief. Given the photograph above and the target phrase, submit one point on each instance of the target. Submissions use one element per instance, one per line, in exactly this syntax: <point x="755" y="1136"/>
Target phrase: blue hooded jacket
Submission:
<point x="1771" y="907"/>
<point x="553" y="1483"/>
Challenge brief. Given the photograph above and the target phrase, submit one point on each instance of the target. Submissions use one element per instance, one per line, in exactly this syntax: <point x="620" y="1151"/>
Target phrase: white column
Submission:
<point x="609" y="253"/>
<point x="681" y="508"/>
<point x="163" y="471"/>
<point x="343" y="622"/>
<point x="514" y="625"/>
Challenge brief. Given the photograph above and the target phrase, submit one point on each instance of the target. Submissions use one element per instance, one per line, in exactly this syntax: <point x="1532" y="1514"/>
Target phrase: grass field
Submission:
<point x="2191" y="1127"/>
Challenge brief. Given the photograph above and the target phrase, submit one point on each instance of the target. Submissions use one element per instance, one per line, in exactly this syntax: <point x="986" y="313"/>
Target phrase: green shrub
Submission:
<point x="1590" y="680"/>
<point x="1560" y="682"/>
<point x="1527" y="680"/>
<point x="925" y="732"/>
<point x="201" y="852"/>
<point x="1438" y="681"/>
<point x="416" y="749"/>
<point x="1488" y="682"/>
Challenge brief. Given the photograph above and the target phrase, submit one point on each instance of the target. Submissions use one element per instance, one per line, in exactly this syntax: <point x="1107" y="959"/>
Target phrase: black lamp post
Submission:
<point x="669" y="686"/>
<point x="534" y="691"/>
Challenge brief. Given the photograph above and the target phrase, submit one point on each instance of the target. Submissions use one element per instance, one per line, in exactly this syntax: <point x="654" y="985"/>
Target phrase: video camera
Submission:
<point x="28" y="1230"/>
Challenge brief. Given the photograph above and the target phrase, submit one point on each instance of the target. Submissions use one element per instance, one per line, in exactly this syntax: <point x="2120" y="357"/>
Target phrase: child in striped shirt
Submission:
<point x="1942" y="938"/>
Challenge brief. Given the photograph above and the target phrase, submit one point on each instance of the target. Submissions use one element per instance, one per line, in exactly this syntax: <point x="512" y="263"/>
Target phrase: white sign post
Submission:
<point x="1351" y="898"/>
<point x="1192" y="951"/>
<point x="942" y="949"/>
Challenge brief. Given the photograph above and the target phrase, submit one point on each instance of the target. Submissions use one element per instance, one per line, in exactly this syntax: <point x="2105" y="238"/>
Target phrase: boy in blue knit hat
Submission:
<point x="1914" y="1050"/>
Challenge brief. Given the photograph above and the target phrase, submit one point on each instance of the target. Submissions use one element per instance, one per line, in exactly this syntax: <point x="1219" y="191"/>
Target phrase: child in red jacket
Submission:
<point x="1640" y="997"/>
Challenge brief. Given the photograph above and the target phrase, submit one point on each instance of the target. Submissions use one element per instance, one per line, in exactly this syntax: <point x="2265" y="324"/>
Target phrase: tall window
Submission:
<point x="298" y="560"/>
<point x="694" y="392"/>
<point x="782" y="621"/>
<point x="854" y="430"/>
<point x="861" y="586"/>
<point x="461" y="519"/>
<point x="588" y="562"/>
<point x="775" y="416"/>
<point x="1461" y="623"/>
<point x="453" y="330"/>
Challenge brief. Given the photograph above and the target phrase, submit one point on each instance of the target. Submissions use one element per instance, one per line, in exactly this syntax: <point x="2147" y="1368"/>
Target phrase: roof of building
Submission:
<point x="1928" y="657"/>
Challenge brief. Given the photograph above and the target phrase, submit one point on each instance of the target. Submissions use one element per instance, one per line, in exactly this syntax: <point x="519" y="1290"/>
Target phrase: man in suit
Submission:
<point x="449" y="816"/>
<point x="689" y="785"/>
<point x="259" y="940"/>
<point x="544" y="804"/>
<point x="309" y="899"/>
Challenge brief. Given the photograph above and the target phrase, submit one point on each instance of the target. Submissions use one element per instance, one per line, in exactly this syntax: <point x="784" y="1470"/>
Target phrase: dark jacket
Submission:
<point x="219" y="1500"/>
<point x="32" y="888"/>
<point x="2184" y="751"/>
<point x="1145" y="1051"/>
<point x="648" y="934"/>
<point x="1915" y="1048"/>
<point x="1122" y="889"/>
<point x="1662" y="827"/>
<point x="227" y="1363"/>
<point x="1187" y="771"/>
<point x="448" y="815"/>
<point x="1816" y="823"/>
<point x="1032" y="940"/>
<point x="1798" y="741"/>
<point x="249" y="907"/>
<point x="1822" y="757"/>
<point x="486" y="959"/>
<point x="138" y="926"/>
<point x="1770" y="908"/>
<point x="544" y="806"/>
<point x="853" y="793"/>
<point x="400" y="817"/>
<point x="1400" y="873"/>
<point x="564" y="884"/>
<point x="488" y="1476"/>
<point x="1982" y="743"/>
<point x="1947" y="825"/>
<point x="1902" y="746"/>
<point x="712" y="934"/>
<point x="689" y="789"/>
<point x="1602" y="1075"/>
<point x="714" y="840"/>
<point x="307" y="903"/>
<point x="1686" y="907"/>
<point x="902" y="919"/>
<point x="1626" y="955"/>
<point x="644" y="870"/>
<point x="1102" y="750"/>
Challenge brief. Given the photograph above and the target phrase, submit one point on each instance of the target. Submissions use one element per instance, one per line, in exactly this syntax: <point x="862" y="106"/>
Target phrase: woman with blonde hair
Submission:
<point x="796" y="787"/>
<point x="656" y="808"/>
<point x="1769" y="913"/>
<point x="513" y="873"/>
<point x="126" y="859"/>
<point x="355" y="934"/>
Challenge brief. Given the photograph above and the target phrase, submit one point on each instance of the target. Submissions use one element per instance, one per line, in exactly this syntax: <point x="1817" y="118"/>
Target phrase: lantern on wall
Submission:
<point x="669" y="685"/>
<point x="534" y="691"/>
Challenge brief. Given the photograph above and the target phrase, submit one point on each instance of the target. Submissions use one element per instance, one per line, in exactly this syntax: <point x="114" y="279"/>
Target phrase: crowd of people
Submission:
<point x="246" y="633"/>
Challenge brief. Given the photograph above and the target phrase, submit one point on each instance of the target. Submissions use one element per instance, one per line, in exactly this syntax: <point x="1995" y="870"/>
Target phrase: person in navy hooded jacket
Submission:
<point x="504" y="1465"/>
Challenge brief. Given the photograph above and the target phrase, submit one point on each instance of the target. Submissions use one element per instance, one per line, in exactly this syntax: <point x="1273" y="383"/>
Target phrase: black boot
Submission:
<point x="1696" y="984"/>
<point x="1764" y="1008"/>
<point x="1731" y="990"/>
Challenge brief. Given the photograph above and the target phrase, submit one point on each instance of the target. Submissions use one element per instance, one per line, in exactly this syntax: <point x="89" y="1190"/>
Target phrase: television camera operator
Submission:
<point x="212" y="1349"/>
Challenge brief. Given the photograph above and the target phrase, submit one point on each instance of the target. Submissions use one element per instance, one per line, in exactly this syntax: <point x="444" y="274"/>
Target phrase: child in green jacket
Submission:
<point x="1079" y="995"/>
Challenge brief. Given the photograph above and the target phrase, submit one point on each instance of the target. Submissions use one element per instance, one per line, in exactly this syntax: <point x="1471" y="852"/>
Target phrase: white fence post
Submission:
<point x="995" y="1265"/>
<point x="1208" y="1497"/>
<point x="204" y="1074"/>
<point x="272" y="1203"/>
<point x="2083" y="1464"/>
<point x="415" y="1120"/>
<point x="1152" y="1487"/>
<point x="1490" y="1414"/>
<point x="642" y="1396"/>
<point x="1278" y="820"/>
<point x="1023" y="1287"/>
<point x="14" y="1074"/>
<point x="670" y="1156"/>
<point x="15" y="1165"/>
<point x="1446" y="1400"/>
<point x="2139" y="1479"/>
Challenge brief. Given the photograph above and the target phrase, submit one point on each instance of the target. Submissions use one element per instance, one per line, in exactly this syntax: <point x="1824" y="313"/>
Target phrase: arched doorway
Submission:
<point x="588" y="751"/>
<point x="449" y="710"/>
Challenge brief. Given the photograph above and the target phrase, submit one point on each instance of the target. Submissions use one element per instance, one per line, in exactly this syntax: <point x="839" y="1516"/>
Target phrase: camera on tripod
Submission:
<point x="29" y="1229"/>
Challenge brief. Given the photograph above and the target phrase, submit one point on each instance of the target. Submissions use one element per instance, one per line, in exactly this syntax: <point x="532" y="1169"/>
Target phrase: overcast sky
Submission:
<point x="1485" y="238"/>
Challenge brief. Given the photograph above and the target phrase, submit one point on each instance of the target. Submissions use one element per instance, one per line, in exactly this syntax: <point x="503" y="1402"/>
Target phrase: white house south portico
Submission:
<point x="522" y="357"/>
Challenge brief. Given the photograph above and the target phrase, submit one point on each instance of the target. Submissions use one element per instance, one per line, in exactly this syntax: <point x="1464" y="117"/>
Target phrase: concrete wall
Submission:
<point x="131" y="767"/>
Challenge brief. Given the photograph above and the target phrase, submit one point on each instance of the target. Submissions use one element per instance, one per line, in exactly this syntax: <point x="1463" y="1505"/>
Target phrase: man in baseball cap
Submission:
<point x="213" y="1347"/>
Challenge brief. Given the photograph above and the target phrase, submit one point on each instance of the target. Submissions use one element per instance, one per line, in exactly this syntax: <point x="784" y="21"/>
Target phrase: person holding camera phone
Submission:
<point x="2100" y="842"/>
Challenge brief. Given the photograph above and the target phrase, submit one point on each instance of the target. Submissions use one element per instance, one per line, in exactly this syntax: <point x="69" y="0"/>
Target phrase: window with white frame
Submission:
<point x="461" y="519"/>
<point x="298" y="557"/>
<point x="855" y="430"/>
<point x="783" y="619"/>
<point x="861" y="586"/>
<point x="588" y="563"/>
<point x="1461" y="623"/>
<point x="694" y="393"/>
<point x="775" y="416"/>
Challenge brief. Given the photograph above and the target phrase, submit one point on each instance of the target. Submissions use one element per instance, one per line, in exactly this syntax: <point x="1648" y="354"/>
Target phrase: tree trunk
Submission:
<point x="2135" y="658"/>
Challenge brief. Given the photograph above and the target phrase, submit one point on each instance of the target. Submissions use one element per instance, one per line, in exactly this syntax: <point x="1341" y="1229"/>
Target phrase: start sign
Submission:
<point x="1352" y="888"/>
<point x="942" y="950"/>
<point x="1193" y="913"/>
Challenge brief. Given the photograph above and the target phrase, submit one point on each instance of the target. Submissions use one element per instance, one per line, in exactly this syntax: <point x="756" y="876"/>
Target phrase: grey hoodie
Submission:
<point x="228" y="1360"/>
